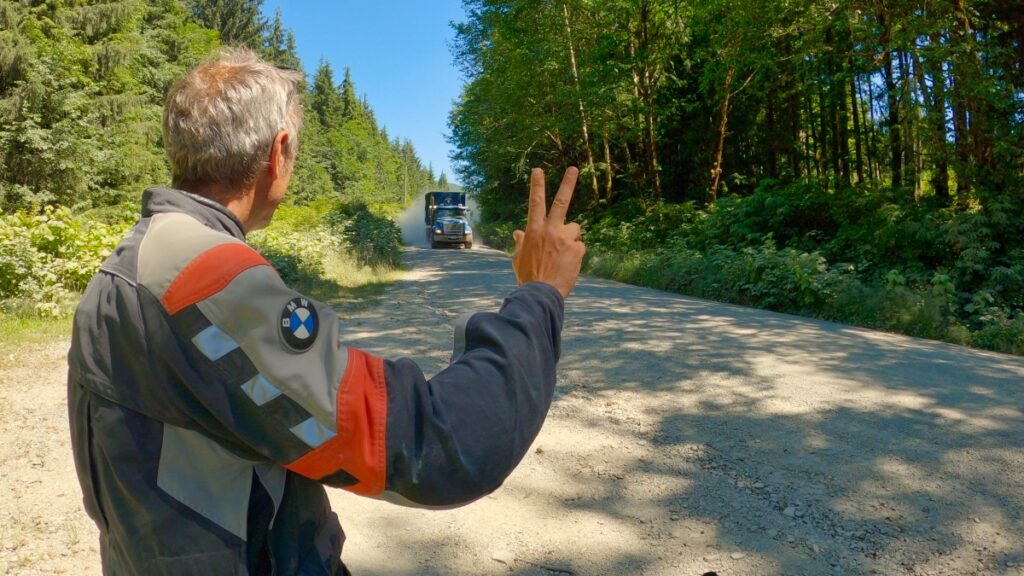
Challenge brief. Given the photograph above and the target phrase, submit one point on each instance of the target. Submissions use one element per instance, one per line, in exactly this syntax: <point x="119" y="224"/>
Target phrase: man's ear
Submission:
<point x="278" y="160"/>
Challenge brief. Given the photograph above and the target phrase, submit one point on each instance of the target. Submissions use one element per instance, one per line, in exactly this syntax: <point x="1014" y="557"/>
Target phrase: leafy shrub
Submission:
<point x="498" y="234"/>
<point x="900" y="267"/>
<point x="46" y="258"/>
<point x="376" y="240"/>
<point x="785" y="280"/>
<point x="296" y="255"/>
<point x="630" y="226"/>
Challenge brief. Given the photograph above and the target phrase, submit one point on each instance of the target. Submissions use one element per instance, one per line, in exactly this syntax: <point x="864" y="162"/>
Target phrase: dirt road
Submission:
<point x="686" y="437"/>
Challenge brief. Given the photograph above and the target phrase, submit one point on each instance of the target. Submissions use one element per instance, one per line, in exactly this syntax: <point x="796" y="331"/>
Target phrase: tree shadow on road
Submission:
<point x="747" y="441"/>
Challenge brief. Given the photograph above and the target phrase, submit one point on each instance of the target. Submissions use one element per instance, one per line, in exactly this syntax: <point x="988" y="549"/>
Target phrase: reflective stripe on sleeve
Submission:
<point x="359" y="448"/>
<point x="214" y="343"/>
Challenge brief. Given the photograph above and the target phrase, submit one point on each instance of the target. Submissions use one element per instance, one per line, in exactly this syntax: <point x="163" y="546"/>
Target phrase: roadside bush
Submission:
<point x="859" y="256"/>
<point x="47" y="258"/>
<point x="629" y="226"/>
<point x="376" y="241"/>
<point x="498" y="234"/>
<point x="785" y="280"/>
<point x="297" y="255"/>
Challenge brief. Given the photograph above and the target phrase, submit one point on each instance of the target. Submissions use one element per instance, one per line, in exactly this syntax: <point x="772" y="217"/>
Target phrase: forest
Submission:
<point x="82" y="84"/>
<point x="855" y="160"/>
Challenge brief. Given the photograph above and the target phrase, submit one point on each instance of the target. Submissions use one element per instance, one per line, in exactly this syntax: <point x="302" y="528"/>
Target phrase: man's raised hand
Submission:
<point x="550" y="250"/>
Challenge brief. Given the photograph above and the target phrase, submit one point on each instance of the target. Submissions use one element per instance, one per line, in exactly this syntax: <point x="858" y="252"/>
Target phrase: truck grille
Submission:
<point x="454" y="228"/>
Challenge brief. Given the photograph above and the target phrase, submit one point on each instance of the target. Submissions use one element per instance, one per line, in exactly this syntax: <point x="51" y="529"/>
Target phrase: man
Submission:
<point x="209" y="403"/>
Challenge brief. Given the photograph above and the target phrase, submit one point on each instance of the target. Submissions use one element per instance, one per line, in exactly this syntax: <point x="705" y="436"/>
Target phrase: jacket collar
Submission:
<point x="210" y="213"/>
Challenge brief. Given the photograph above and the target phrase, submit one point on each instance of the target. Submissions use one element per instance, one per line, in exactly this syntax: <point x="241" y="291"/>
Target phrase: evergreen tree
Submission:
<point x="324" y="99"/>
<point x="240" y="22"/>
<point x="279" y="44"/>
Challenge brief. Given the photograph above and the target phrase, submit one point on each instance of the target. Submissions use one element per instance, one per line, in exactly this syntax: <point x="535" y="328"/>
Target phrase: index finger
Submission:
<point x="560" y="206"/>
<point x="535" y="215"/>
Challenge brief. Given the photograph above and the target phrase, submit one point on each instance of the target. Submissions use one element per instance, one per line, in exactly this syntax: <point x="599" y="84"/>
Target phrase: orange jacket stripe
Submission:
<point x="359" y="447"/>
<point x="209" y="273"/>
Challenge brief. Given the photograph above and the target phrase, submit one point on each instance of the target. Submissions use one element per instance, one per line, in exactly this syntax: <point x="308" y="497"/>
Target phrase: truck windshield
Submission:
<point x="450" y="213"/>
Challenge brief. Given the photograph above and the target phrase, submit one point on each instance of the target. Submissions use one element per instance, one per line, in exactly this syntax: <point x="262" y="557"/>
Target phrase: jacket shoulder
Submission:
<point x="181" y="261"/>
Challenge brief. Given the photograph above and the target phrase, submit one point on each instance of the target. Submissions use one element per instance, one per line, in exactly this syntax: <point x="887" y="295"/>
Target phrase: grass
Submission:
<point x="26" y="329"/>
<point x="347" y="286"/>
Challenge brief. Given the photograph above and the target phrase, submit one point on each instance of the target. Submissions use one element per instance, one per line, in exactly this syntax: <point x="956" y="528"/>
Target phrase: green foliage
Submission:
<point x="297" y="254"/>
<point x="82" y="86"/>
<point x="239" y="22"/>
<point x="928" y="273"/>
<point x="81" y="92"/>
<point x="857" y="162"/>
<point x="630" y="226"/>
<point x="47" y="258"/>
<point x="376" y="240"/>
<point x="311" y="246"/>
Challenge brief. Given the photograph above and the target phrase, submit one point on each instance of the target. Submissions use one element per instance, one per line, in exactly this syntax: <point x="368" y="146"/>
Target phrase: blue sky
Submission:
<point x="399" y="56"/>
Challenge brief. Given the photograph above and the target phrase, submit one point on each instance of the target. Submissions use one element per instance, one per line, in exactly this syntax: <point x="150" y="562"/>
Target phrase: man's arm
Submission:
<point x="275" y="380"/>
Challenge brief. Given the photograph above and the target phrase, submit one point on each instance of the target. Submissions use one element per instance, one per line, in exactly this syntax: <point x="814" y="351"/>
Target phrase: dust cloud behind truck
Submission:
<point x="447" y="219"/>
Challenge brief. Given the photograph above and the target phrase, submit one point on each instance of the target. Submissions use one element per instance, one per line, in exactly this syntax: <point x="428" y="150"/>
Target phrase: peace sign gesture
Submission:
<point x="550" y="250"/>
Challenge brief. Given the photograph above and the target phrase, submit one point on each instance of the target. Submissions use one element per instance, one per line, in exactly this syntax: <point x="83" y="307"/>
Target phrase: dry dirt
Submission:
<point x="686" y="437"/>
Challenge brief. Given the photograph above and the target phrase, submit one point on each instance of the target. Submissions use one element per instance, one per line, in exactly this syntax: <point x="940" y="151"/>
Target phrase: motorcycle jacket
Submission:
<point x="210" y="404"/>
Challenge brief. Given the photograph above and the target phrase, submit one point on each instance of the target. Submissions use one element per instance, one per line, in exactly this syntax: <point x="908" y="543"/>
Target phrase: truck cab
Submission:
<point x="447" y="219"/>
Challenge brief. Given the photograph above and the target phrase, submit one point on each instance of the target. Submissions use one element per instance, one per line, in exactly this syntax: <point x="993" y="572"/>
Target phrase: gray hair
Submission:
<point x="221" y="119"/>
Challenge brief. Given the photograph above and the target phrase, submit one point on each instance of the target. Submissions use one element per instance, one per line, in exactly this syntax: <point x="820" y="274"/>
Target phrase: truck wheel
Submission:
<point x="433" y="244"/>
<point x="469" y="245"/>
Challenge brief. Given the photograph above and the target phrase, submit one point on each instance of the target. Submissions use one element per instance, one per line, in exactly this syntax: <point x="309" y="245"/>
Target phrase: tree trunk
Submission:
<point x="969" y="72"/>
<point x="892" y="100"/>
<point x="795" y="141"/>
<point x="855" y="108"/>
<point x="579" y="100"/>
<point x="829" y="159"/>
<point x="773" y="140"/>
<point x="838" y="114"/>
<point x="814" y="156"/>
<point x="874" y="162"/>
<point x="962" y="144"/>
<point x="647" y="92"/>
<point x="638" y="119"/>
<point x="909" y="132"/>
<point x="608" y="180"/>
<point x="842" y="134"/>
<point x="935" y="113"/>
<point x="723" y="120"/>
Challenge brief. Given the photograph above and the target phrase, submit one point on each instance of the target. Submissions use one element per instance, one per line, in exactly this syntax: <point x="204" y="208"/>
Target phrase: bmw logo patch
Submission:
<point x="299" y="324"/>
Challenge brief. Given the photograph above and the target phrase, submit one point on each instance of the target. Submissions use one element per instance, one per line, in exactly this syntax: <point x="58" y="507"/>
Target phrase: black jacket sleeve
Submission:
<point x="457" y="436"/>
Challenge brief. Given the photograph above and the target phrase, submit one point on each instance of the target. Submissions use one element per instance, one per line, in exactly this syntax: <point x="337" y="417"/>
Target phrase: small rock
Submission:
<point x="737" y="555"/>
<point x="977" y="520"/>
<point x="815" y="548"/>
<point x="673" y="517"/>
<point x="789" y="511"/>
<point x="758" y="485"/>
<point x="503" y="556"/>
